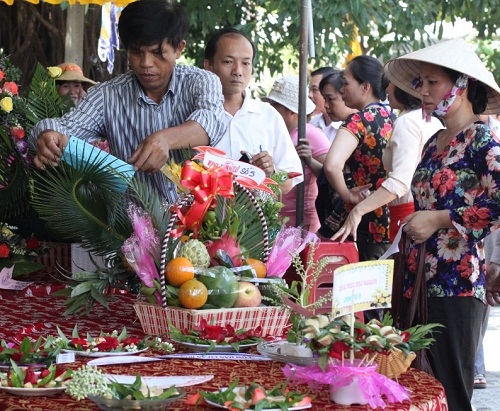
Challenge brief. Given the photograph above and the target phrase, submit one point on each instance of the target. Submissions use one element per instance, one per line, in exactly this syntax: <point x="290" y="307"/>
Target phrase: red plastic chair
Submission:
<point x="339" y="254"/>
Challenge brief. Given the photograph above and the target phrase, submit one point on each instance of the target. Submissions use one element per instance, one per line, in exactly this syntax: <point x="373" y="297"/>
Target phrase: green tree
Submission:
<point x="387" y="28"/>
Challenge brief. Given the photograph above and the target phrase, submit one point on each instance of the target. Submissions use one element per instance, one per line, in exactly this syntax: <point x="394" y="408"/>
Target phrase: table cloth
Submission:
<point x="40" y="315"/>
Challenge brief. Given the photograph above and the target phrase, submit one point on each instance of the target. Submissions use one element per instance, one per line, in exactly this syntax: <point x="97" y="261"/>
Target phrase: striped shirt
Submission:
<point x="119" y="111"/>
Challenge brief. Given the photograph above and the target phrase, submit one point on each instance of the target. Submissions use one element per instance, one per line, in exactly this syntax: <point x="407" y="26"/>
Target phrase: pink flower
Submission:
<point x="11" y="87"/>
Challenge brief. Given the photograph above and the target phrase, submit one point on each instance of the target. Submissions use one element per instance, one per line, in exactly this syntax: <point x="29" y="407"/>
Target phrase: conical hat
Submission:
<point x="454" y="54"/>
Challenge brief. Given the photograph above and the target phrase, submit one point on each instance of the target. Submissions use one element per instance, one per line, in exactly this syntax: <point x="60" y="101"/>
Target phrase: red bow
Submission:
<point x="205" y="185"/>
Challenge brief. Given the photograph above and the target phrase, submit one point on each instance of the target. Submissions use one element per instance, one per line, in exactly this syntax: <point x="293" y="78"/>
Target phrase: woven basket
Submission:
<point x="395" y="363"/>
<point x="155" y="319"/>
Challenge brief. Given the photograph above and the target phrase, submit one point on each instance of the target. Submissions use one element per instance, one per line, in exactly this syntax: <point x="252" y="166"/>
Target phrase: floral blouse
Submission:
<point x="464" y="179"/>
<point x="372" y="127"/>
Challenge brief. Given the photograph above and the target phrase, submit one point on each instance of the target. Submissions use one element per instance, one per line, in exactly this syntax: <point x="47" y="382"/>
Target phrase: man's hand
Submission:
<point x="493" y="284"/>
<point x="152" y="154"/>
<point x="264" y="161"/>
<point x="50" y="145"/>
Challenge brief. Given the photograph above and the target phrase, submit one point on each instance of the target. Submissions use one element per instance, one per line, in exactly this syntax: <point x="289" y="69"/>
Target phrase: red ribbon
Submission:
<point x="205" y="185"/>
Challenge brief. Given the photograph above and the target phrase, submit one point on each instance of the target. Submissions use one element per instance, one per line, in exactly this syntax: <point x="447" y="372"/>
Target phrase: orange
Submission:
<point x="258" y="266"/>
<point x="193" y="294"/>
<point x="178" y="271"/>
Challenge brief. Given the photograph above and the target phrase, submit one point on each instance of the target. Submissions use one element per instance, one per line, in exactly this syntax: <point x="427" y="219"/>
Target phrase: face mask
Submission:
<point x="445" y="104"/>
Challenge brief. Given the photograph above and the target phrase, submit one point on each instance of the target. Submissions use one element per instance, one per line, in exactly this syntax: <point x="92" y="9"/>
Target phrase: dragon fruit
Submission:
<point x="228" y="240"/>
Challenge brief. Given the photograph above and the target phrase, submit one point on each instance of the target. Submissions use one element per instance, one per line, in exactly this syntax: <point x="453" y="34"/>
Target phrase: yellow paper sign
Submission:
<point x="362" y="286"/>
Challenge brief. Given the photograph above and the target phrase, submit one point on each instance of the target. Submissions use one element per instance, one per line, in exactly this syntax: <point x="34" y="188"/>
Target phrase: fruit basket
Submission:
<point x="155" y="318"/>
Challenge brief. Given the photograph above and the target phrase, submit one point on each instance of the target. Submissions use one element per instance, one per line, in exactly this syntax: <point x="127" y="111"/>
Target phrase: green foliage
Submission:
<point x="384" y="26"/>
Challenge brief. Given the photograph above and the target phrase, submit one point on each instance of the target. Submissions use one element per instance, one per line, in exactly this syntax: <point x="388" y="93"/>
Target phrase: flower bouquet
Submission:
<point x="358" y="357"/>
<point x="27" y="377"/>
<point x="108" y="343"/>
<point x="252" y="397"/>
<point x="217" y="337"/>
<point x="214" y="249"/>
<point x="38" y="353"/>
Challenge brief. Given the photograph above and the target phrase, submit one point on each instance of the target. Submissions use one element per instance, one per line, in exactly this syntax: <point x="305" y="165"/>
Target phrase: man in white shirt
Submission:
<point x="253" y="127"/>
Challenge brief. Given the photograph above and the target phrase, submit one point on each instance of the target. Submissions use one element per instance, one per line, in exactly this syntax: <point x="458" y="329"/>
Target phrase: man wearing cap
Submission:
<point x="150" y="113"/>
<point x="284" y="97"/>
<point x="253" y="127"/>
<point x="72" y="82"/>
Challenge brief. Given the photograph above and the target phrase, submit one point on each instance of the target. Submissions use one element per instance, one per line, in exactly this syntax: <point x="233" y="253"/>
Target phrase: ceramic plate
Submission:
<point x="6" y="367"/>
<point x="162" y="382"/>
<point x="99" y="354"/>
<point x="32" y="392"/>
<point x="272" y="350"/>
<point x="303" y="407"/>
<point x="193" y="347"/>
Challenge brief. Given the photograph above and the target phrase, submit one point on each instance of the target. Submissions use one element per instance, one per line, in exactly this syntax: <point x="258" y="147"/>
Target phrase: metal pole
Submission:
<point x="304" y="27"/>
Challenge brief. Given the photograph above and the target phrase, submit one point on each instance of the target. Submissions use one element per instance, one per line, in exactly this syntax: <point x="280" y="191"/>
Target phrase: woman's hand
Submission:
<point x="350" y="227"/>
<point x="358" y="194"/>
<point x="422" y="224"/>
<point x="493" y="284"/>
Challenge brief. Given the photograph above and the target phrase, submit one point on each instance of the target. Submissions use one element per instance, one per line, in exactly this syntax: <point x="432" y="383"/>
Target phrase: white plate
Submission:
<point x="193" y="347"/>
<point x="271" y="350"/>
<point x="99" y="354"/>
<point x="302" y="407"/>
<point x="162" y="382"/>
<point x="122" y="359"/>
<point x="33" y="392"/>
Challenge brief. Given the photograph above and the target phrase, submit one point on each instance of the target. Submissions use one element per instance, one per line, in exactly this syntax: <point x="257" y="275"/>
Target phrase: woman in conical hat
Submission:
<point x="456" y="188"/>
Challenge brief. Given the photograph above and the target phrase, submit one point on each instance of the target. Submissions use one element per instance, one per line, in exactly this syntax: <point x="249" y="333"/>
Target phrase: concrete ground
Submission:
<point x="488" y="399"/>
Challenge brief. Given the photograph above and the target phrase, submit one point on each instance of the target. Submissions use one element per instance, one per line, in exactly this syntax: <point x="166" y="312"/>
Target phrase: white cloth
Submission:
<point x="403" y="152"/>
<point x="256" y="127"/>
<point x="330" y="130"/>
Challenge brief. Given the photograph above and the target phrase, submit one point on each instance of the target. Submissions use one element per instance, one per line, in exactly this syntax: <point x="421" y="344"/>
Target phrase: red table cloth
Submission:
<point x="23" y="313"/>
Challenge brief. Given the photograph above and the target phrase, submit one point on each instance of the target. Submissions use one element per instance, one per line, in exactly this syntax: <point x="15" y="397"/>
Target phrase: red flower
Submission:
<point x="17" y="356"/>
<point x="30" y="376"/>
<point x="44" y="373"/>
<point x="4" y="250"/>
<point x="11" y="87"/>
<point x="444" y="181"/>
<point x="17" y="132"/>
<point x="82" y="342"/>
<point x="32" y="243"/>
<point x="130" y="341"/>
<point x="109" y="343"/>
<point x="405" y="336"/>
<point x="338" y="349"/>
<point x="2" y="75"/>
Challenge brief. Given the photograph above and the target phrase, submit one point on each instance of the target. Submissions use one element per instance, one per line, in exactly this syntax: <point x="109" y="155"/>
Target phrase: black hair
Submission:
<point x="148" y="22"/>
<point x="477" y="93"/>
<point x="369" y="69"/>
<point x="407" y="100"/>
<point x="323" y="71"/>
<point x="334" y="79"/>
<point x="213" y="41"/>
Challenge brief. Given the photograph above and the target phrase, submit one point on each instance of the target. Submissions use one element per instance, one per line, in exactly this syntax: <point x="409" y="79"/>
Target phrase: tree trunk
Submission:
<point x="73" y="45"/>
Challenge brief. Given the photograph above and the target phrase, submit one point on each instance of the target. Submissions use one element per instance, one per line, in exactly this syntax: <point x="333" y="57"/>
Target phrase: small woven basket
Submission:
<point x="395" y="363"/>
<point x="155" y="319"/>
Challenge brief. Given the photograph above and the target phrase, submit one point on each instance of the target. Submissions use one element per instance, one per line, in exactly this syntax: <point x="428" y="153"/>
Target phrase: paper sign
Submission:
<point x="362" y="286"/>
<point x="78" y="153"/>
<point x="238" y="168"/>
<point x="7" y="283"/>
<point x="66" y="357"/>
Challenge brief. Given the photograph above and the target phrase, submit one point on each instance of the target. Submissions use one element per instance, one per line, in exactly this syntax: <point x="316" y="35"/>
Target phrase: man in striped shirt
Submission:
<point x="151" y="112"/>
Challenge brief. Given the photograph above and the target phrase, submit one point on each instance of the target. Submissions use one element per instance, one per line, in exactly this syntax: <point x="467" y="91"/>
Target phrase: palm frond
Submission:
<point x="80" y="202"/>
<point x="43" y="100"/>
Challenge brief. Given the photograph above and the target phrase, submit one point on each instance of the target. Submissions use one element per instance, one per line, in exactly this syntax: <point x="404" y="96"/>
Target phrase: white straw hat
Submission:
<point x="285" y="91"/>
<point x="454" y="54"/>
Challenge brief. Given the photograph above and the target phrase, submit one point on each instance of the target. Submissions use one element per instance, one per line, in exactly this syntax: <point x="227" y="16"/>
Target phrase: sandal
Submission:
<point x="479" y="381"/>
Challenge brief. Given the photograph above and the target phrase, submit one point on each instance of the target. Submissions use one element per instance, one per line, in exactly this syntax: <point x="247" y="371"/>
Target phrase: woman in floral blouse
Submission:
<point x="359" y="144"/>
<point x="456" y="188"/>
